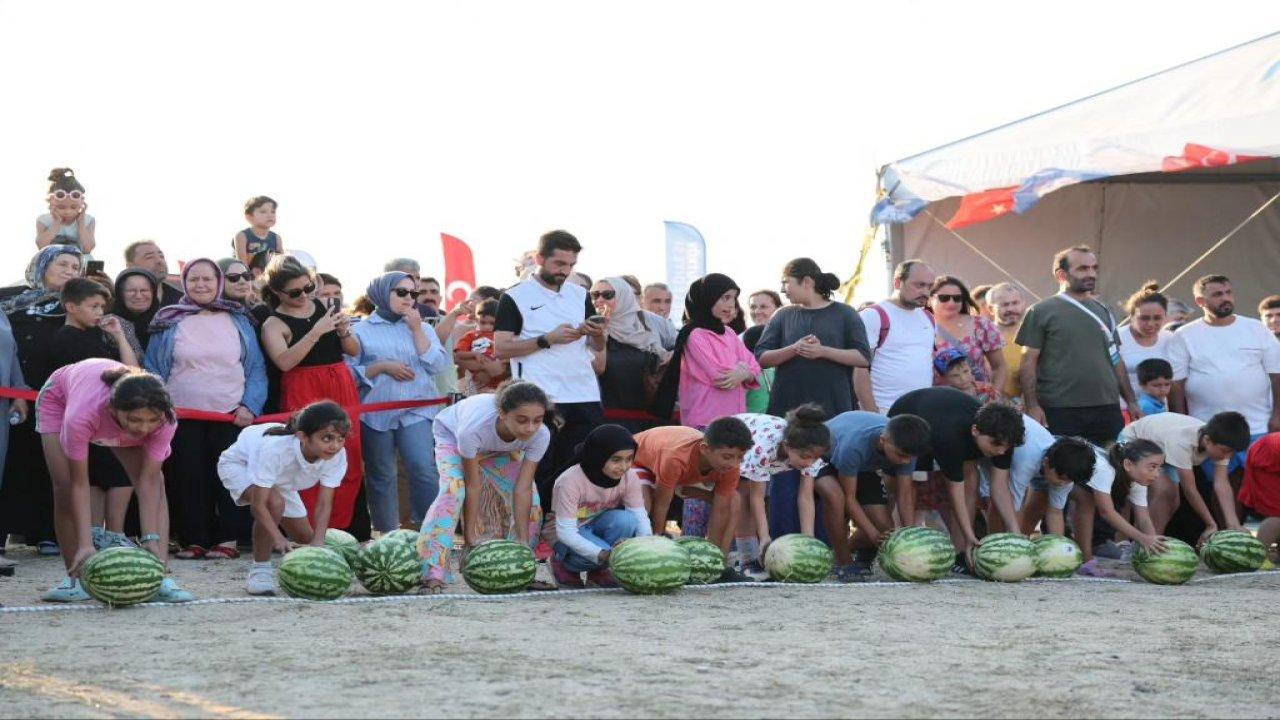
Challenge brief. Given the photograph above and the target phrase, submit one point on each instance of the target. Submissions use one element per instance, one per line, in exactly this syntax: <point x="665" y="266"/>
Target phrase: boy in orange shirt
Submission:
<point x="678" y="460"/>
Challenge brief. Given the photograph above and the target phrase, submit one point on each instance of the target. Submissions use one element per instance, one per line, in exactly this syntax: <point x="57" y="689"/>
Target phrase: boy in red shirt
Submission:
<point x="475" y="353"/>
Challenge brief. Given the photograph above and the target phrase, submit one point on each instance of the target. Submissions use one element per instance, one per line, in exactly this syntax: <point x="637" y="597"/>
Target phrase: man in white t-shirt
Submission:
<point x="542" y="329"/>
<point x="1225" y="362"/>
<point x="901" y="334"/>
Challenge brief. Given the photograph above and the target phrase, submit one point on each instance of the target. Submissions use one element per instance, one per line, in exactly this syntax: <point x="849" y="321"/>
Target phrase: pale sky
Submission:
<point x="377" y="125"/>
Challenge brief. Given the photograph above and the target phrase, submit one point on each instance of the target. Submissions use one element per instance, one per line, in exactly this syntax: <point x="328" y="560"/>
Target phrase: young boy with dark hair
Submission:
<point x="678" y="460"/>
<point x="1155" y="380"/>
<point x="88" y="333"/>
<point x="476" y="355"/>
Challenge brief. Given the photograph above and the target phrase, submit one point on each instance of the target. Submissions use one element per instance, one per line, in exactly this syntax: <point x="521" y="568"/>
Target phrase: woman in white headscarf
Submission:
<point x="633" y="354"/>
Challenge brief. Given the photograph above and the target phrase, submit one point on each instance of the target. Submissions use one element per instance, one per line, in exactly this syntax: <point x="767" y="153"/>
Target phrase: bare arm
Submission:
<point x="323" y="508"/>
<point x="1178" y="397"/>
<point x="1192" y="494"/>
<point x="1054" y="520"/>
<point x="849" y="483"/>
<point x="906" y="495"/>
<point x="242" y="248"/>
<point x="999" y="370"/>
<point x="661" y="504"/>
<point x="1126" y="390"/>
<point x="755" y="499"/>
<point x="851" y="357"/>
<point x="471" y="501"/>
<point x="774" y="358"/>
<point x="523" y="500"/>
<point x="1002" y="498"/>
<point x="863" y="389"/>
<point x="1226" y="497"/>
<point x="88" y="232"/>
<point x="721" y="516"/>
<point x="1027" y="378"/>
<point x="805" y="506"/>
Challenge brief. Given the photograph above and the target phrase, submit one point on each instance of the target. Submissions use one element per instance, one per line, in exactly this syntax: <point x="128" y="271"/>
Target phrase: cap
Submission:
<point x="945" y="358"/>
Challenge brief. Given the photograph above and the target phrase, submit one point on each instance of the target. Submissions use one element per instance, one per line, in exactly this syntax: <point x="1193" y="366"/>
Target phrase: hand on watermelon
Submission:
<point x="1152" y="543"/>
<point x="1204" y="536"/>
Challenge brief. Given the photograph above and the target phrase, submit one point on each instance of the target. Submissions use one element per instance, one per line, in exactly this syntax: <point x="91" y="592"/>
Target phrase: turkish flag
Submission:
<point x="1194" y="156"/>
<point x="982" y="206"/>
<point x="459" y="271"/>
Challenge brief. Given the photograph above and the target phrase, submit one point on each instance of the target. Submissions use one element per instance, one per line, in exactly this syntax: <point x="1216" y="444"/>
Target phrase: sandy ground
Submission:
<point x="966" y="648"/>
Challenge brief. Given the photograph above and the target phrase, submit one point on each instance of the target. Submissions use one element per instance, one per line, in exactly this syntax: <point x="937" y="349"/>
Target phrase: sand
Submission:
<point x="1040" y="649"/>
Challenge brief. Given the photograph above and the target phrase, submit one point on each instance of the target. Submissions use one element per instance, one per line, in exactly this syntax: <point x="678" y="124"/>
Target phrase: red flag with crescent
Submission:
<point x="459" y="271"/>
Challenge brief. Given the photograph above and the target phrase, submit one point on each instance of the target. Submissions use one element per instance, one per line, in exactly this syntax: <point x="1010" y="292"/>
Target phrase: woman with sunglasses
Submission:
<point x="960" y="327"/>
<point x="307" y="341"/>
<point x="239" y="282"/>
<point x="67" y="222"/>
<point x="400" y="355"/>
<point x="206" y="350"/>
<point x="633" y="356"/>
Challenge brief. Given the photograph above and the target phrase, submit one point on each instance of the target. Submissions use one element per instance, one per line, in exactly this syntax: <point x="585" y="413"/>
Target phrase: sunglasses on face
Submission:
<point x="403" y="293"/>
<point x="603" y="294"/>
<point x="944" y="297"/>
<point x="63" y="194"/>
<point x="237" y="277"/>
<point x="299" y="292"/>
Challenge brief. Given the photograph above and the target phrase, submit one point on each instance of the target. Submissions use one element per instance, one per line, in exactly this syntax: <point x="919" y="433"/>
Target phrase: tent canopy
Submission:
<point x="1151" y="174"/>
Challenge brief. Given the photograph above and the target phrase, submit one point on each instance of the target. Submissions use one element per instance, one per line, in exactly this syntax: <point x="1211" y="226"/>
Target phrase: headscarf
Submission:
<point x="140" y="320"/>
<point x="379" y="293"/>
<point x="170" y="316"/>
<point x="626" y="324"/>
<point x="698" y="301"/>
<point x="223" y="264"/>
<point x="600" y="445"/>
<point x="37" y="299"/>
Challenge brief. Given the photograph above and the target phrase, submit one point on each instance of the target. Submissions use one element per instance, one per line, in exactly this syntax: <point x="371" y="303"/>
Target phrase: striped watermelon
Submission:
<point x="1005" y="557"/>
<point x="797" y="558"/>
<point x="1057" y="556"/>
<point x="388" y="567"/>
<point x="650" y="565"/>
<point x="917" y="554"/>
<point x="1174" y="566"/>
<point x="314" y="573"/>
<point x="499" y="566"/>
<point x="343" y="542"/>
<point x="402" y="535"/>
<point x="706" y="562"/>
<point x="122" y="576"/>
<point x="1232" y="551"/>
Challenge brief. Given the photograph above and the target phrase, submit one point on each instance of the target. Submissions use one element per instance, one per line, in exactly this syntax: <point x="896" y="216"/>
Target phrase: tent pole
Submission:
<point x="982" y="255"/>
<point x="1220" y="243"/>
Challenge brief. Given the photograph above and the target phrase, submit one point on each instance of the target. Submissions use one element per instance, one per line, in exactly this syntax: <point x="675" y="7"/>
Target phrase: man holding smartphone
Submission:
<point x="550" y="332"/>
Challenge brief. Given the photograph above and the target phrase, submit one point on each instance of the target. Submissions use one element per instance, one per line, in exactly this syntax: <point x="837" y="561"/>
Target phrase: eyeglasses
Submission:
<point x="944" y="297"/>
<point x="403" y="293"/>
<point x="603" y="294"/>
<point x="63" y="194"/>
<point x="299" y="292"/>
<point x="237" y="277"/>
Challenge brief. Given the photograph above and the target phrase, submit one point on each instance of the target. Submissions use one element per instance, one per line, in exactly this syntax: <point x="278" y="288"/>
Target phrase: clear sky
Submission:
<point x="376" y="125"/>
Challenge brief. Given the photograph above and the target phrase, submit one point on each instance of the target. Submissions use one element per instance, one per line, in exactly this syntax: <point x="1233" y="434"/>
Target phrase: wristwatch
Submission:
<point x="543" y="342"/>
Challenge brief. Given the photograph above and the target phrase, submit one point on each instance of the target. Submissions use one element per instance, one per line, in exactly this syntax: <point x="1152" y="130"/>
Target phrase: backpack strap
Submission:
<point x="884" y="324"/>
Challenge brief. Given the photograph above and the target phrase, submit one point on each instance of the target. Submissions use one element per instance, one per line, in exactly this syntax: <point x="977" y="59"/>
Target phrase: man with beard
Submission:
<point x="147" y="255"/>
<point x="1006" y="305"/>
<point x="901" y="336"/>
<point x="1223" y="362"/>
<point x="543" y="329"/>
<point x="1072" y="376"/>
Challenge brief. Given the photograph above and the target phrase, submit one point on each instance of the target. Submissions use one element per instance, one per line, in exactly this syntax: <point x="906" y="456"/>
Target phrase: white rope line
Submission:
<point x="387" y="599"/>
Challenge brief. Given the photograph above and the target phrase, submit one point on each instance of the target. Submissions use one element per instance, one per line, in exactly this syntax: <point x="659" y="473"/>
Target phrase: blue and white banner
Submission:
<point x="686" y="262"/>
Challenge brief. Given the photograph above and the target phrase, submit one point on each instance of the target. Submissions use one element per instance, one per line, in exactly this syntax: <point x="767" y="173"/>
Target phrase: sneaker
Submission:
<point x="1093" y="569"/>
<point x="565" y="577"/>
<point x="1126" y="551"/>
<point x="961" y="567"/>
<point x="69" y="590"/>
<point x="856" y="572"/>
<point x="729" y="575"/>
<point x="99" y="537"/>
<point x="755" y="571"/>
<point x="171" y="593"/>
<point x="262" y="580"/>
<point x="601" y="577"/>
<point x="1109" y="550"/>
<point x="48" y="548"/>
<point x="115" y="539"/>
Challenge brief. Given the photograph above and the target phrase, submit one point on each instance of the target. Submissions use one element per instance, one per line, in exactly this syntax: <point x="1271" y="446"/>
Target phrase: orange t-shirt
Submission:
<point x="674" y="457"/>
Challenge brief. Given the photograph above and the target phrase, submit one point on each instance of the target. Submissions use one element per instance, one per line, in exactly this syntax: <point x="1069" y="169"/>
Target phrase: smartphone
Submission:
<point x="94" y="267"/>
<point x="597" y="320"/>
<point x="332" y="304"/>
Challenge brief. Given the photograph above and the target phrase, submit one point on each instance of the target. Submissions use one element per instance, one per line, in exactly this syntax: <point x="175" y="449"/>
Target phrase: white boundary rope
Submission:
<point x="388" y="599"/>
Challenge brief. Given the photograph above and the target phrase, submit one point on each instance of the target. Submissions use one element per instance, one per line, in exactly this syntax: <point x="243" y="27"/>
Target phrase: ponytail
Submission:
<point x="136" y="389"/>
<point x="807" y="428"/>
<point x="1134" y="451"/>
<point x="823" y="283"/>
<point x="313" y="418"/>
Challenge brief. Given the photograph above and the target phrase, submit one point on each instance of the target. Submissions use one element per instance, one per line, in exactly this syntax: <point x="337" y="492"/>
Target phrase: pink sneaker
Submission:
<point x="565" y="577"/>
<point x="542" y="552"/>
<point x="602" y="578"/>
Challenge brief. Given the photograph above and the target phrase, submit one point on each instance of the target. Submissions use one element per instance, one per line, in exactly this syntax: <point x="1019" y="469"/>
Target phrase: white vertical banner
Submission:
<point x="686" y="262"/>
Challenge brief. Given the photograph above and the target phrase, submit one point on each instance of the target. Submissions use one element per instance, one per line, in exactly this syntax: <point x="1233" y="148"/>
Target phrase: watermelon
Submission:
<point x="917" y="554"/>
<point x="122" y="576"/>
<point x="797" y="558"/>
<point x="499" y="566"/>
<point x="343" y="542"/>
<point x="1005" y="557"/>
<point x="706" y="562"/>
<point x="650" y="565"/>
<point x="1057" y="556"/>
<point x="1232" y="551"/>
<point x="388" y="567"/>
<point x="314" y="573"/>
<point x="1174" y="566"/>
<point x="401" y="535"/>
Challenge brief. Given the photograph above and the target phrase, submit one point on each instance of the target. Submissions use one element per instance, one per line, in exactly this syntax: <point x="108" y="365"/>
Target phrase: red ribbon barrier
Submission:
<point x="190" y="414"/>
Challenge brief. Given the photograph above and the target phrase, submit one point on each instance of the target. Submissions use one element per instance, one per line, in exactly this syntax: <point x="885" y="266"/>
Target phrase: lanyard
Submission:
<point x="1113" y="349"/>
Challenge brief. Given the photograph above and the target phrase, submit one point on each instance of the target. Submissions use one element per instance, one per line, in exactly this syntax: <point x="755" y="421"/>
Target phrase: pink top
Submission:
<point x="87" y="416"/>
<point x="575" y="497"/>
<point x="707" y="356"/>
<point x="207" y="373"/>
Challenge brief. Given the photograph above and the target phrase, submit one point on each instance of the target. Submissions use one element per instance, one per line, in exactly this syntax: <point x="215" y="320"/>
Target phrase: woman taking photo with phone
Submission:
<point x="307" y="340"/>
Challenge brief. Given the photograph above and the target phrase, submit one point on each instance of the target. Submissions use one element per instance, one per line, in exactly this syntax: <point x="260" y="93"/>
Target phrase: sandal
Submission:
<point x="222" y="552"/>
<point x="433" y="587"/>
<point x="190" y="552"/>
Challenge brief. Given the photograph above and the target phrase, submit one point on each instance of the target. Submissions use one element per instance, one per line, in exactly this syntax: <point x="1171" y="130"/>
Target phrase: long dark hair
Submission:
<point x="1134" y="451"/>
<point x="136" y="389"/>
<point x="824" y="283"/>
<point x="514" y="393"/>
<point x="282" y="270"/>
<point x="967" y="305"/>
<point x="315" y="417"/>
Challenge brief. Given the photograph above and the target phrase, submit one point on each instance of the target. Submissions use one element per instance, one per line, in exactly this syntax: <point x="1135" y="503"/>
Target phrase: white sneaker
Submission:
<point x="262" y="580"/>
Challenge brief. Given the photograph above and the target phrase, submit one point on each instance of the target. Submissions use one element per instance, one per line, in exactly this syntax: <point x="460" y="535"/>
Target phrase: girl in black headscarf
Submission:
<point x="597" y="504"/>
<point x="137" y="298"/>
